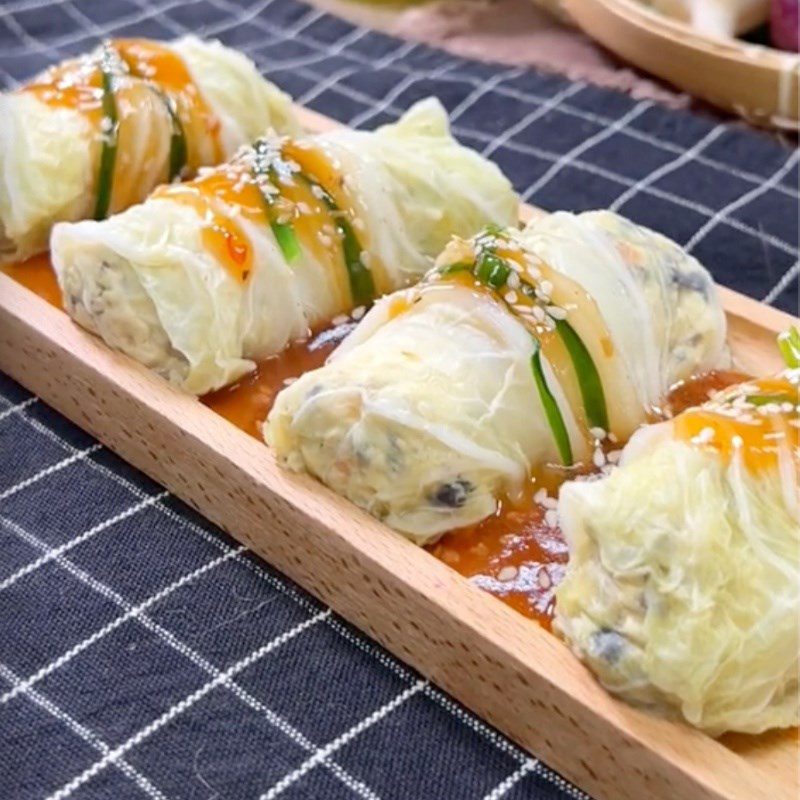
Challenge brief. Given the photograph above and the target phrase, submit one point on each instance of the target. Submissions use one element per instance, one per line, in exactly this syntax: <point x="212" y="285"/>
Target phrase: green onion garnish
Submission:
<point x="362" y="287"/>
<point x="789" y="345"/>
<point x="551" y="409"/>
<point x="491" y="269"/>
<point x="108" y="154"/>
<point x="767" y="399"/>
<point x="285" y="236"/>
<point x="287" y="241"/>
<point x="459" y="266"/>
<point x="594" y="400"/>
<point x="178" y="151"/>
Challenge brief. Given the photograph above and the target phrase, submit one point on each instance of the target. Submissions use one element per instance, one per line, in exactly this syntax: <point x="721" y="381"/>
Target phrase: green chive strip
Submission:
<point x="594" y="400"/>
<point x="287" y="240"/>
<point x="789" y="345"/>
<point x="768" y="399"/>
<point x="178" y="150"/>
<point x="551" y="409"/>
<point x="491" y="269"/>
<point x="108" y="155"/>
<point x="362" y="287"/>
<point x="284" y="233"/>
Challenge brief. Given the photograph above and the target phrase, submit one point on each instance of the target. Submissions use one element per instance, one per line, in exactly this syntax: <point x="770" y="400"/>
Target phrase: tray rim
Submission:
<point x="488" y="656"/>
<point x="757" y="82"/>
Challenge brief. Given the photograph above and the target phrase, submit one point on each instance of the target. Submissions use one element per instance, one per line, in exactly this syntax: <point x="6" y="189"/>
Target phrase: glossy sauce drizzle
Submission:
<point x="222" y="234"/>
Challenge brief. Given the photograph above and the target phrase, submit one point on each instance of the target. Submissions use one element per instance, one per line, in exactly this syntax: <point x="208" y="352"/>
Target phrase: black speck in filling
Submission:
<point x="608" y="645"/>
<point x="453" y="494"/>
<point x="691" y="282"/>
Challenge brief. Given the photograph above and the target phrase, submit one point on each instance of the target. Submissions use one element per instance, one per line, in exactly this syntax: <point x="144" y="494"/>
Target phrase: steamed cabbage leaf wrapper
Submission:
<point x="511" y="358"/>
<point x="206" y="277"/>
<point x="682" y="592"/>
<point x="96" y="134"/>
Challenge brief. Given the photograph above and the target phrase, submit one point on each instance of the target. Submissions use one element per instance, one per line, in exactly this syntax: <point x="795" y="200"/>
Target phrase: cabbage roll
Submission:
<point x="682" y="591"/>
<point x="520" y="353"/>
<point x="207" y="277"/>
<point x="94" y="135"/>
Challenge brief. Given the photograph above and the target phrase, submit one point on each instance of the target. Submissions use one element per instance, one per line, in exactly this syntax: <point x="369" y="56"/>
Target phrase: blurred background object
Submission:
<point x="722" y="18"/>
<point x="534" y="33"/>
<point x="671" y="51"/>
<point x="785" y="23"/>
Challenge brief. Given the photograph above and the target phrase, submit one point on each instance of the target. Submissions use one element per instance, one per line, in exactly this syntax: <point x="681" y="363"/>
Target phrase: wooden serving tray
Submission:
<point x="759" y="83"/>
<point x="502" y="665"/>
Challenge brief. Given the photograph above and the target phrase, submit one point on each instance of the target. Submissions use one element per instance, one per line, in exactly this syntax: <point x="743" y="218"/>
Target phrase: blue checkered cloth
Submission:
<point x="143" y="653"/>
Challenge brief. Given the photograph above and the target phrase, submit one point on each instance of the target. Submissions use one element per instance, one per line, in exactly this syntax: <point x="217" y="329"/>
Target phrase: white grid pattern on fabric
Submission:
<point x="746" y="198"/>
<point x="665" y="169"/>
<point x="340" y="741"/>
<point x="78" y="455"/>
<point x="512" y="780"/>
<point x="56" y="554"/>
<point x="83" y="733"/>
<point x="568" y="159"/>
<point x="18" y="407"/>
<point x="219" y="678"/>
<point x="790" y="276"/>
<point x="113" y="756"/>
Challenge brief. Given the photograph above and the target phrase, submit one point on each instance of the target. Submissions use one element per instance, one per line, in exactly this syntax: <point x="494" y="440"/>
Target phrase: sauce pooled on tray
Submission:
<point x="518" y="554"/>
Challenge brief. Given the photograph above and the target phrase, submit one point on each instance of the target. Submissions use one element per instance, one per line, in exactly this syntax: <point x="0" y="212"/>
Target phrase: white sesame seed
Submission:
<point x="358" y="312"/>
<point x="598" y="433"/>
<point x="507" y="573"/>
<point x="705" y="436"/>
<point x="510" y="297"/>
<point x="550" y="502"/>
<point x="513" y="281"/>
<point x="546" y="287"/>
<point x="551" y="518"/>
<point x="538" y="313"/>
<point x="543" y="578"/>
<point x="599" y="458"/>
<point x="556" y="313"/>
<point x="540" y="496"/>
<point x="341" y="319"/>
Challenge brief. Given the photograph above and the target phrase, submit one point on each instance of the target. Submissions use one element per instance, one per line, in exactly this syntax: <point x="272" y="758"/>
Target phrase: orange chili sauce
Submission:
<point x="514" y="554"/>
<point x="247" y="403"/>
<point x="36" y="274"/>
